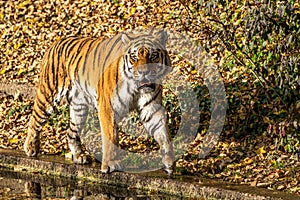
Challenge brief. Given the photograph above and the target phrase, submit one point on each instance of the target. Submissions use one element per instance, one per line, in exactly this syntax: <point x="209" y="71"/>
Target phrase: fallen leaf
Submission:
<point x="13" y="140"/>
<point x="261" y="151"/>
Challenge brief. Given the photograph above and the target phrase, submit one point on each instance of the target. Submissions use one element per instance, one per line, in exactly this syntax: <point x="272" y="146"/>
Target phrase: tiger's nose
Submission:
<point x="143" y="73"/>
<point x="143" y="52"/>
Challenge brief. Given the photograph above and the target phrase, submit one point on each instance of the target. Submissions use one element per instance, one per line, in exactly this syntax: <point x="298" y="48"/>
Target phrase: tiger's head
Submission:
<point x="146" y="60"/>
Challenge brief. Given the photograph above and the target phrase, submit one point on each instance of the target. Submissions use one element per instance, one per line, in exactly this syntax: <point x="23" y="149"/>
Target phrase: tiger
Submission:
<point x="113" y="76"/>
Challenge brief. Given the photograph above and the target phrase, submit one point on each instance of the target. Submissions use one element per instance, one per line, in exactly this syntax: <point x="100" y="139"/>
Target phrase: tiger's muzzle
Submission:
<point x="146" y="86"/>
<point x="147" y="77"/>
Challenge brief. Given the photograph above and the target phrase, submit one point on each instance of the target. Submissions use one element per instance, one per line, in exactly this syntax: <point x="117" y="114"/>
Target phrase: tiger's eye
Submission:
<point x="154" y="56"/>
<point x="133" y="56"/>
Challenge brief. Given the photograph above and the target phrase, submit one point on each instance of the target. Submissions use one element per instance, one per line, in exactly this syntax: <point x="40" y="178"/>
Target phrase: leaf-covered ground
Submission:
<point x="253" y="149"/>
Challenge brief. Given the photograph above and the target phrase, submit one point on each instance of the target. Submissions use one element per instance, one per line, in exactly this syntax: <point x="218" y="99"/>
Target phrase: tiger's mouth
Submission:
<point x="146" y="87"/>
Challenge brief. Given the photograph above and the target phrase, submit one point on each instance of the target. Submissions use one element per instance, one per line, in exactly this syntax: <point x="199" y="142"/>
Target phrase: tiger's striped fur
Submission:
<point x="114" y="76"/>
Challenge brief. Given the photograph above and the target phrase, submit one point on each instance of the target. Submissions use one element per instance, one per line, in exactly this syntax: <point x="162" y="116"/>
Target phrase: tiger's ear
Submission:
<point x="162" y="37"/>
<point x="125" y="38"/>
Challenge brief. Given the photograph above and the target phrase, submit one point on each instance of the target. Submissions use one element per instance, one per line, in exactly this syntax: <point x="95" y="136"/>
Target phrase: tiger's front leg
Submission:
<point x="110" y="160"/>
<point x="154" y="119"/>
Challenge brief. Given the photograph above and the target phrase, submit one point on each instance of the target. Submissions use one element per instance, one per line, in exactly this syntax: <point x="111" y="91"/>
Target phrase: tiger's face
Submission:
<point x="147" y="61"/>
<point x="147" y="67"/>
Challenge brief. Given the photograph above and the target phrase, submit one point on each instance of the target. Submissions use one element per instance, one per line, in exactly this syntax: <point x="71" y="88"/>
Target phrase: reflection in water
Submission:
<point x="15" y="185"/>
<point x="33" y="190"/>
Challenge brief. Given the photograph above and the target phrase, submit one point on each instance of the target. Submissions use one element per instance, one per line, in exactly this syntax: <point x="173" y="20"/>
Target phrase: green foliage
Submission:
<point x="21" y="109"/>
<point x="60" y="117"/>
<point x="260" y="63"/>
<point x="170" y="102"/>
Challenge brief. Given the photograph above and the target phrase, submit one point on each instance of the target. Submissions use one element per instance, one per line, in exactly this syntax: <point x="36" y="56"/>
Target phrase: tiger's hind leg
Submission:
<point x="42" y="108"/>
<point x="78" y="116"/>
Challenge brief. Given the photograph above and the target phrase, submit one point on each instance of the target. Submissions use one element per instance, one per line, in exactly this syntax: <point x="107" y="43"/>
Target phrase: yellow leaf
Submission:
<point x="83" y="4"/>
<point x="247" y="161"/>
<point x="235" y="165"/>
<point x="21" y="5"/>
<point x="15" y="28"/>
<point x="45" y="128"/>
<point x="111" y="30"/>
<point x="57" y="38"/>
<point x="273" y="162"/>
<point x="2" y="71"/>
<point x="261" y="151"/>
<point x="237" y="22"/>
<point x="40" y="24"/>
<point x="193" y="72"/>
<point x="1" y="16"/>
<point x="167" y="17"/>
<point x="70" y="21"/>
<point x="20" y="71"/>
<point x="280" y="112"/>
<point x="17" y="46"/>
<point x="8" y="52"/>
<point x="30" y="20"/>
<point x="126" y="16"/>
<point x="132" y="11"/>
<point x="13" y="140"/>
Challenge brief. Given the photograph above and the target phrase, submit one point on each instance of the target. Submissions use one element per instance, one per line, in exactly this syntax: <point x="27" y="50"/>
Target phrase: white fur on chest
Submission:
<point x="123" y="100"/>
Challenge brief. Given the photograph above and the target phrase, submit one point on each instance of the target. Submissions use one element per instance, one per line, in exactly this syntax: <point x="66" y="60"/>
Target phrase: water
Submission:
<point x="23" y="185"/>
<point x="20" y="185"/>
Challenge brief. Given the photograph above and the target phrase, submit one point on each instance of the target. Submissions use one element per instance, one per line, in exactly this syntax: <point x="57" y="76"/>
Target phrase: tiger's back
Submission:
<point x="74" y="59"/>
<point x="109" y="75"/>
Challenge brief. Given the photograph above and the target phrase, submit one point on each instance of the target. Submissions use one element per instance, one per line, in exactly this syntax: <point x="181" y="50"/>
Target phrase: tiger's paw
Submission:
<point x="169" y="170"/>
<point x="81" y="159"/>
<point x="112" y="167"/>
<point x="169" y="164"/>
<point x="31" y="149"/>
